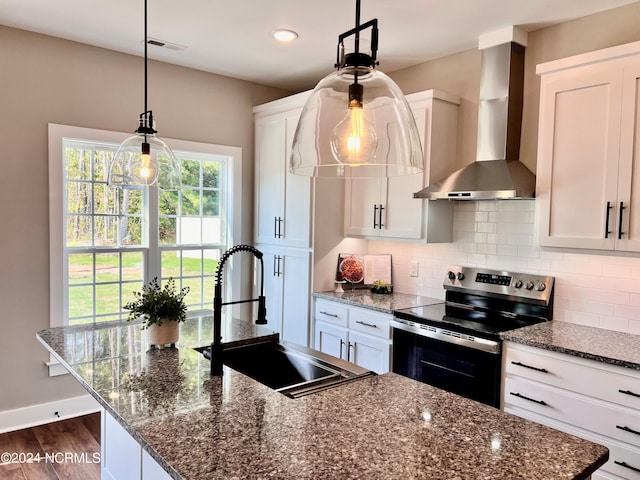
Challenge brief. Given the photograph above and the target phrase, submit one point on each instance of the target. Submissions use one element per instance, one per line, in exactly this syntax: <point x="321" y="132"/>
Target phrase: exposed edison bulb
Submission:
<point x="354" y="140"/>
<point x="148" y="170"/>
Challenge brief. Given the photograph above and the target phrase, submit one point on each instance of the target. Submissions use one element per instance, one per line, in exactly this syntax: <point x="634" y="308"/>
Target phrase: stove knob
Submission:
<point x="541" y="287"/>
<point x="460" y="276"/>
<point x="518" y="284"/>
<point x="529" y="286"/>
<point x="451" y="275"/>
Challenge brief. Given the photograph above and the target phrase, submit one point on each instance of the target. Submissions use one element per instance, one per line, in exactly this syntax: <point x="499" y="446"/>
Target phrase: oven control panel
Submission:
<point x="521" y="286"/>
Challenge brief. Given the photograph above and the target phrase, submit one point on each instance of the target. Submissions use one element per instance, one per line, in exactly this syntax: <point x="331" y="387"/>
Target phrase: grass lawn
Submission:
<point x="107" y="277"/>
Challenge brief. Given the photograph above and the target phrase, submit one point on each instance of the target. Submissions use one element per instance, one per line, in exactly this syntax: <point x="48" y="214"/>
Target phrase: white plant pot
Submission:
<point x="166" y="334"/>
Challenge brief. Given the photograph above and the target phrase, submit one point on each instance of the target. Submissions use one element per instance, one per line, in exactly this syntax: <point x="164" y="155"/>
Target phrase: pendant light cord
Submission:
<point x="145" y="57"/>
<point x="357" y="39"/>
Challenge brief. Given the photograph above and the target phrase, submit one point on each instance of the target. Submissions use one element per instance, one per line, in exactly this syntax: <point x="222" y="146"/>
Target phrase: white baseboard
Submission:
<point x="42" y="413"/>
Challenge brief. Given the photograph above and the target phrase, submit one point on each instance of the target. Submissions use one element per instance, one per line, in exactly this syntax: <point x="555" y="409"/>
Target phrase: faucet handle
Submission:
<point x="262" y="311"/>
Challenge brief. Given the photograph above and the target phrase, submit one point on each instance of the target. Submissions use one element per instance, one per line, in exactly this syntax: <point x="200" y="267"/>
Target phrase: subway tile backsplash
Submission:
<point x="595" y="289"/>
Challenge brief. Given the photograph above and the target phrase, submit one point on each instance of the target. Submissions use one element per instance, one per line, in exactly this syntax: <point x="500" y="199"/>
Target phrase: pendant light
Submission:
<point x="144" y="159"/>
<point x="356" y="123"/>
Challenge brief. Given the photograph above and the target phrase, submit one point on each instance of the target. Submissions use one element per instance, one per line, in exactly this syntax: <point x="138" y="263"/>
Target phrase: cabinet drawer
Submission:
<point x="588" y="377"/>
<point x="371" y="323"/>
<point x="615" y="422"/>
<point x="332" y="312"/>
<point x="623" y="461"/>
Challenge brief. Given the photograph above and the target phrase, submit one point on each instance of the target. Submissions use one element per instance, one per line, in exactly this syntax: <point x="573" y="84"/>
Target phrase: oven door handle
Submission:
<point x="448" y="336"/>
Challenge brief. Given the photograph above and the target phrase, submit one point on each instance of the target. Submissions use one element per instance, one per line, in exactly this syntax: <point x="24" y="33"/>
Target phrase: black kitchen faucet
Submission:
<point x="216" y="346"/>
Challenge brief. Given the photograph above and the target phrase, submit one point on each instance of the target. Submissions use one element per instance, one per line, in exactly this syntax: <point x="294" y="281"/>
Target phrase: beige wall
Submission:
<point x="43" y="80"/>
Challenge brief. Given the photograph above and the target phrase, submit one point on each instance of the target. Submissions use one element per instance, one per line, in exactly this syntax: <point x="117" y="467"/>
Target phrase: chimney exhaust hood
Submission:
<point x="496" y="173"/>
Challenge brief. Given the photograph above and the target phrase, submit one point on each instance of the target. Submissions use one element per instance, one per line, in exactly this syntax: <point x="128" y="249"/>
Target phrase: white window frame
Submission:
<point x="57" y="133"/>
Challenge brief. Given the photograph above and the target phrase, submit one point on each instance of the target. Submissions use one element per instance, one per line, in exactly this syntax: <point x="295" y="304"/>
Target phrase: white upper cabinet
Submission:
<point x="385" y="207"/>
<point x="283" y="200"/>
<point x="587" y="186"/>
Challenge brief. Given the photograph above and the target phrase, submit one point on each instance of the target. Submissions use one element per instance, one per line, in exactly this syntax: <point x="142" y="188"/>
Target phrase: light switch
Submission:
<point x="414" y="268"/>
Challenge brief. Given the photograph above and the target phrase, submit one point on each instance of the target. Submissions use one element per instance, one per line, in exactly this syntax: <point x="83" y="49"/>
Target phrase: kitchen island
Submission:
<point x="387" y="426"/>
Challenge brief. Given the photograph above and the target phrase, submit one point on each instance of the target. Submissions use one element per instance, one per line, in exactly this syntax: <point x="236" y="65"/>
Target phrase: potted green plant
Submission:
<point x="162" y="310"/>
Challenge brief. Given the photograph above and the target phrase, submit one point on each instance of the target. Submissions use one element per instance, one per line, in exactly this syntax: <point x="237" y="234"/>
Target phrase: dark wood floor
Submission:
<point x="73" y="448"/>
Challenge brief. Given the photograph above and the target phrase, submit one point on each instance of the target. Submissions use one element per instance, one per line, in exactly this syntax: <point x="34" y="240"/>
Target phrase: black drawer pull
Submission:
<point x="519" y="395"/>
<point x="543" y="370"/>
<point x="627" y="429"/>
<point x="329" y="314"/>
<point x="626" y="465"/>
<point x="366" y="324"/>
<point x="629" y="392"/>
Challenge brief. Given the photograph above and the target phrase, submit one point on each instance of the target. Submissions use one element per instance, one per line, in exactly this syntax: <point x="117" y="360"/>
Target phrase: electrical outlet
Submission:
<point x="414" y="269"/>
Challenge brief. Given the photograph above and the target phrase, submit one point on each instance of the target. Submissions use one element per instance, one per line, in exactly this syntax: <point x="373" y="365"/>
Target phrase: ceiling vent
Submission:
<point x="168" y="45"/>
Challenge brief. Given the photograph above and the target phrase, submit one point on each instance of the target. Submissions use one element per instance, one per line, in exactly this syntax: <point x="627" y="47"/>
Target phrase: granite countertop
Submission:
<point x="607" y="346"/>
<point x="386" y="303"/>
<point x="386" y="426"/>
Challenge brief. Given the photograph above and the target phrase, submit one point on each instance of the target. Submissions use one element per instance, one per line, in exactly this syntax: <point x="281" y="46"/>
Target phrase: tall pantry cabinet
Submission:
<point x="588" y="171"/>
<point x="283" y="219"/>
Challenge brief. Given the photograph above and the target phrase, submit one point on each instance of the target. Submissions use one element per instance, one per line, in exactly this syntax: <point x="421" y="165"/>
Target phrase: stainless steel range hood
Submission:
<point x="496" y="173"/>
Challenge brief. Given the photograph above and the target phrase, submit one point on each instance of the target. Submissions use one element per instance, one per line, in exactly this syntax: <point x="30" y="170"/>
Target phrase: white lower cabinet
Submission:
<point x="358" y="335"/>
<point x="122" y="457"/>
<point x="593" y="400"/>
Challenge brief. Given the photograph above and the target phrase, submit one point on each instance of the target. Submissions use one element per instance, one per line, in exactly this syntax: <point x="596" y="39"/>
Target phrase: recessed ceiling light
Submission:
<point x="283" y="35"/>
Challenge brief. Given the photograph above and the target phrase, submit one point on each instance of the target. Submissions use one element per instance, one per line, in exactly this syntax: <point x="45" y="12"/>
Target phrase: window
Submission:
<point x="106" y="242"/>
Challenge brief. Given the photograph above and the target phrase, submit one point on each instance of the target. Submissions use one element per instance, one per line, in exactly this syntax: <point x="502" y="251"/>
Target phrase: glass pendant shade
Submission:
<point x="143" y="160"/>
<point x="366" y="131"/>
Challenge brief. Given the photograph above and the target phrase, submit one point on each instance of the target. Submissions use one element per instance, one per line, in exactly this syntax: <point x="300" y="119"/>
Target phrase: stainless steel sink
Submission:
<point x="290" y="369"/>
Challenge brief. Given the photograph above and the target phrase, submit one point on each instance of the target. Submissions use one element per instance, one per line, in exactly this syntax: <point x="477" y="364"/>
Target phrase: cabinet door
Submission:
<point x="627" y="226"/>
<point x="287" y="282"/>
<point x="331" y="340"/>
<point x="296" y="227"/>
<point x="151" y="470"/>
<point x="369" y="352"/>
<point x="270" y="178"/>
<point x="362" y="209"/>
<point x="272" y="261"/>
<point x="402" y="217"/>
<point x="296" y="285"/>
<point x="578" y="152"/>
<point x="121" y="457"/>
<point x="403" y="214"/>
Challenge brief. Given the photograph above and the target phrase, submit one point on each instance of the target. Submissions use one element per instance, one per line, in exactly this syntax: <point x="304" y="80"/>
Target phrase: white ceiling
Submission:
<point x="232" y="37"/>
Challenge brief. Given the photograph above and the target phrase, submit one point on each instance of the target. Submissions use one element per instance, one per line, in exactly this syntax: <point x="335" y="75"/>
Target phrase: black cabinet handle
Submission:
<point x="519" y="395"/>
<point x="375" y="214"/>
<point x="329" y="314"/>
<point x="626" y="465"/>
<point x="606" y="221"/>
<point x="627" y="429"/>
<point x="366" y="324"/>
<point x="380" y="222"/>
<point x="342" y="342"/>
<point x="351" y="345"/>
<point x="537" y="369"/>
<point x="629" y="392"/>
<point x="276" y="265"/>
<point x="275" y="227"/>
<point x="620" y="232"/>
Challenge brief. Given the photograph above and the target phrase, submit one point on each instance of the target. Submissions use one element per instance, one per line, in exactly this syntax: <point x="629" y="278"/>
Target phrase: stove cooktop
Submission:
<point x="473" y="322"/>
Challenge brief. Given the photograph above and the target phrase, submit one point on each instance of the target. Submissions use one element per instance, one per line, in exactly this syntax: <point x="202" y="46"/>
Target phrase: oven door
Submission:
<point x="462" y="364"/>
